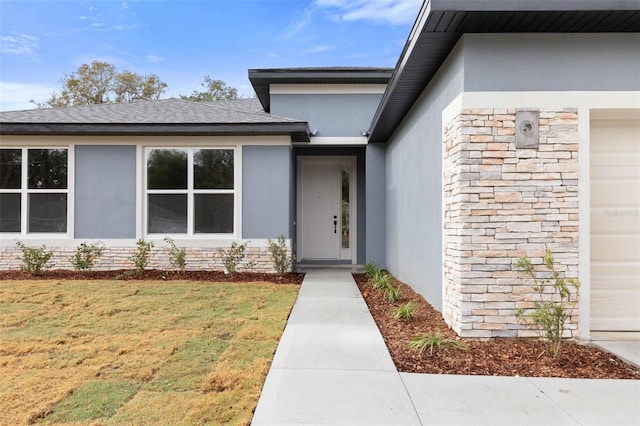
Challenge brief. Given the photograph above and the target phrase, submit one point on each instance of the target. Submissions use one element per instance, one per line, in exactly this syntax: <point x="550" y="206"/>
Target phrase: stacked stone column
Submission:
<point x="501" y="203"/>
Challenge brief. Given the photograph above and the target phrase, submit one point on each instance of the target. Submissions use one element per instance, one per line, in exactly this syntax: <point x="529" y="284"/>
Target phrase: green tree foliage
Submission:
<point x="214" y="90"/>
<point x="101" y="83"/>
<point x="167" y="169"/>
<point x="213" y="169"/>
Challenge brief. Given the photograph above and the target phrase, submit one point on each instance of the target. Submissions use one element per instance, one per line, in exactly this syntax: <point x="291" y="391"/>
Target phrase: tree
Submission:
<point x="101" y="83"/>
<point x="215" y="90"/>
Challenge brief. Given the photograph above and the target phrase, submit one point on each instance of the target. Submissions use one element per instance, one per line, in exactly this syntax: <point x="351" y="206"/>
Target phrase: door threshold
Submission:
<point x="307" y="267"/>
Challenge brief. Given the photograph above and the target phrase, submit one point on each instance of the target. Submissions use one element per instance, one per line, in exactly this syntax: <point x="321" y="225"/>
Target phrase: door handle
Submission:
<point x="335" y="224"/>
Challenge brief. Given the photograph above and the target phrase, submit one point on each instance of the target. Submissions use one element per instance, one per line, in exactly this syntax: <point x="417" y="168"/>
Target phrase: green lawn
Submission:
<point x="137" y="352"/>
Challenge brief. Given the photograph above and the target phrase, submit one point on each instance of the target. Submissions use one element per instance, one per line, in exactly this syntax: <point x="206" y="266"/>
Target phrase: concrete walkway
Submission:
<point x="333" y="368"/>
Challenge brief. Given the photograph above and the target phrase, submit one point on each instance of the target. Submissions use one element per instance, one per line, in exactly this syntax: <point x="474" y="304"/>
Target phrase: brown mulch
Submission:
<point x="492" y="357"/>
<point x="153" y="274"/>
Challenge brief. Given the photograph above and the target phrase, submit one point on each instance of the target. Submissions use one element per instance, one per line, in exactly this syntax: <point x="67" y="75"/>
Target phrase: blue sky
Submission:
<point x="182" y="41"/>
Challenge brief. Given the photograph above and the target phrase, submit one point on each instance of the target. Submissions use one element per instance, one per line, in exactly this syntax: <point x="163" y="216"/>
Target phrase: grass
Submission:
<point x="137" y="352"/>
<point x="435" y="342"/>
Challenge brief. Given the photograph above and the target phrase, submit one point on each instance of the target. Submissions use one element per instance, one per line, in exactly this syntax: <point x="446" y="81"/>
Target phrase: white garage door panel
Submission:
<point x="615" y="225"/>
<point x="614" y="221"/>
<point x="626" y="193"/>
<point x="615" y="248"/>
<point x="614" y="323"/>
<point x="627" y="277"/>
<point x="627" y="165"/>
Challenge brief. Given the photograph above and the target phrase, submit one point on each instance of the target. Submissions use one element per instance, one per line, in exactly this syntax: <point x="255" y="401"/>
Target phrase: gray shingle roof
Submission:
<point x="164" y="116"/>
<point x="164" y="111"/>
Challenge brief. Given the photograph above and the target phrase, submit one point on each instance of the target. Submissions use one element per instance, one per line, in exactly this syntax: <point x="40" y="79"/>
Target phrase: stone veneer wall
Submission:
<point x="501" y="203"/>
<point x="114" y="258"/>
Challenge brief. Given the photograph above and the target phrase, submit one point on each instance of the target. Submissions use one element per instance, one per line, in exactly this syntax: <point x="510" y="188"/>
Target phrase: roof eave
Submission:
<point x="261" y="79"/>
<point x="438" y="28"/>
<point x="298" y="131"/>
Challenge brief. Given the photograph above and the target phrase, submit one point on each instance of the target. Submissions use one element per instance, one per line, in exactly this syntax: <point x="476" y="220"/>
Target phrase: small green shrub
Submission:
<point x="140" y="258"/>
<point x="232" y="256"/>
<point x="34" y="260"/>
<point x="549" y="317"/>
<point x="392" y="293"/>
<point x="177" y="255"/>
<point x="281" y="261"/>
<point x="86" y="255"/>
<point x="406" y="311"/>
<point x="434" y="342"/>
<point x="381" y="281"/>
<point x="371" y="270"/>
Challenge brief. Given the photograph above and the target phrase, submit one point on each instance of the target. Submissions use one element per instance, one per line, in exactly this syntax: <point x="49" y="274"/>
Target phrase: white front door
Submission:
<point x="326" y="211"/>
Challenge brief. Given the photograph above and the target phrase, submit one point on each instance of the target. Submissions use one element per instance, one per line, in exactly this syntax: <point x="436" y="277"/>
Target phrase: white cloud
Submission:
<point x="319" y="49"/>
<point x="16" y="96"/>
<point x="394" y="12"/>
<point x="154" y="59"/>
<point x="298" y="24"/>
<point x="18" y="44"/>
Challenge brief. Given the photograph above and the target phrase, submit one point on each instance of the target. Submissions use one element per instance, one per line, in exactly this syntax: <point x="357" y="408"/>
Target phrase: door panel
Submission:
<point x="319" y="208"/>
<point x="615" y="225"/>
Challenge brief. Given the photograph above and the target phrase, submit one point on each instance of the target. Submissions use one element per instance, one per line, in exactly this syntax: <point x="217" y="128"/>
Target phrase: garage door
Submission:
<point x="615" y="224"/>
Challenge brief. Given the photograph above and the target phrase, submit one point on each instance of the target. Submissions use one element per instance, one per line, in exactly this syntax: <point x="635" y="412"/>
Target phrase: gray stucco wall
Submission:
<point x="331" y="115"/>
<point x="266" y="191"/>
<point x="550" y="62"/>
<point x="105" y="191"/>
<point x="482" y="62"/>
<point x="375" y="198"/>
<point x="414" y="186"/>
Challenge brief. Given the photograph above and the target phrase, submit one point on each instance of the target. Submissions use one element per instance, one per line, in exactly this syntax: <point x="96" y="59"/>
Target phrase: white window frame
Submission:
<point x="24" y="192"/>
<point x="191" y="192"/>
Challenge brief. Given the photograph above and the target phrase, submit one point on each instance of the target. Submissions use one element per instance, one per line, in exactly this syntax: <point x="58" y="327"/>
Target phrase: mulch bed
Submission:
<point x="492" y="357"/>
<point x="152" y="274"/>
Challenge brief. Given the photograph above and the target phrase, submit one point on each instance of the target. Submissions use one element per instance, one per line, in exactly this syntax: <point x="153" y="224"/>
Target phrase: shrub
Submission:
<point x="371" y="270"/>
<point x="177" y="255"/>
<point x="34" y="260"/>
<point x="435" y="341"/>
<point x="86" y="255"/>
<point x="281" y="261"/>
<point x="140" y="258"/>
<point x="392" y="293"/>
<point x="549" y="317"/>
<point x="381" y="281"/>
<point x="232" y="256"/>
<point x="406" y="311"/>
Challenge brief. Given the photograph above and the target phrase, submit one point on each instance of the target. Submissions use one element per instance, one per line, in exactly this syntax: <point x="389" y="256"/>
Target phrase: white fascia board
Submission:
<point x="326" y="89"/>
<point x="581" y="99"/>
<point x="191" y="141"/>
<point x="335" y="141"/>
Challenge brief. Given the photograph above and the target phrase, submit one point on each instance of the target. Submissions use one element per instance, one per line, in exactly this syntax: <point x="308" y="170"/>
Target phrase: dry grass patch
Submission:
<point x="111" y="352"/>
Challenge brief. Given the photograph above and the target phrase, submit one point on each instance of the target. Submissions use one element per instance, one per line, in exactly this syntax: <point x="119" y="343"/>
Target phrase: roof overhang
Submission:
<point x="298" y="131"/>
<point x="441" y="23"/>
<point x="261" y="79"/>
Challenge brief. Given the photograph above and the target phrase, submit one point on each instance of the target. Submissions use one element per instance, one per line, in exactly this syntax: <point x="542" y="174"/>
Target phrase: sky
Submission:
<point x="181" y="42"/>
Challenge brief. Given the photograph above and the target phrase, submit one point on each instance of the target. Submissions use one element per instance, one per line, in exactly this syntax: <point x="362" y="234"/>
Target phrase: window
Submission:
<point x="190" y="191"/>
<point x="40" y="184"/>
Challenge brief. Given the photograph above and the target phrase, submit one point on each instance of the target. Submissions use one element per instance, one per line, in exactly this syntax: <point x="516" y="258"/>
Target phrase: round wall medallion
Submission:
<point x="526" y="128"/>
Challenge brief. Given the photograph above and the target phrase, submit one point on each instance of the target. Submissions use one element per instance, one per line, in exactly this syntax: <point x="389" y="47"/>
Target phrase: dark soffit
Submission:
<point x="441" y="23"/>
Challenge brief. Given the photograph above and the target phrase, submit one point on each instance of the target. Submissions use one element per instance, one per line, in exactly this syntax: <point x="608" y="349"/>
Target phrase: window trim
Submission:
<point x="191" y="191"/>
<point x="24" y="192"/>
